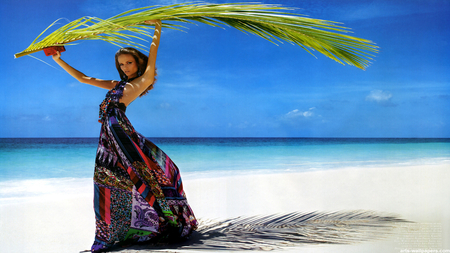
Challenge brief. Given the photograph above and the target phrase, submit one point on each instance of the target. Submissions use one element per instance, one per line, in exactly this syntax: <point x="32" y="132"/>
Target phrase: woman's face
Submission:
<point x="128" y="65"/>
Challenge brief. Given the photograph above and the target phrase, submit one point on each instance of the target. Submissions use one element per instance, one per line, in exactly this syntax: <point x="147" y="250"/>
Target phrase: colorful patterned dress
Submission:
<point x="138" y="193"/>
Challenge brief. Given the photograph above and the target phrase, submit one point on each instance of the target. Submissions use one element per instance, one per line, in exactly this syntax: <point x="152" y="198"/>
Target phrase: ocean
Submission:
<point x="43" y="158"/>
<point x="31" y="168"/>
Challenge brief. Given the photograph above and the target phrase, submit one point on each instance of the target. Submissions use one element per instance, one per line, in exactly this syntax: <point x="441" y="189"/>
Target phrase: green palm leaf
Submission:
<point x="270" y="22"/>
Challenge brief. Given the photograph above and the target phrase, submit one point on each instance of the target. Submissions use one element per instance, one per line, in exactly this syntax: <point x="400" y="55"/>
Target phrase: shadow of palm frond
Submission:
<point x="278" y="231"/>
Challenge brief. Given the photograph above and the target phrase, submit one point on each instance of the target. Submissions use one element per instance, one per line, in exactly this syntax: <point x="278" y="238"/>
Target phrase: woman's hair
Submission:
<point x="141" y="61"/>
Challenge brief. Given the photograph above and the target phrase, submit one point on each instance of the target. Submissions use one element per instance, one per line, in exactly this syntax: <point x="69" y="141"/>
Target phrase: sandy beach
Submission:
<point x="62" y="220"/>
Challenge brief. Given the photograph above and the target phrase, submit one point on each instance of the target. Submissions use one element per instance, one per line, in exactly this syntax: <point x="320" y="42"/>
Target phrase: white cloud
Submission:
<point x="379" y="96"/>
<point x="297" y="113"/>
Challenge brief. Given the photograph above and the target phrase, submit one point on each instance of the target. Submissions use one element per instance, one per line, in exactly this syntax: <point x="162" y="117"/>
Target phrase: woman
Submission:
<point x="138" y="193"/>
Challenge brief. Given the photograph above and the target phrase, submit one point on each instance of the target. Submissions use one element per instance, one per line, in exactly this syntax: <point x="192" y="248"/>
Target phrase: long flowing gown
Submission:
<point x="138" y="193"/>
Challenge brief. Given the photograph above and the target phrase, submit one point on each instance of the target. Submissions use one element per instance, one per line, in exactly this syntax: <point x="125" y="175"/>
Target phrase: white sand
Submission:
<point x="65" y="222"/>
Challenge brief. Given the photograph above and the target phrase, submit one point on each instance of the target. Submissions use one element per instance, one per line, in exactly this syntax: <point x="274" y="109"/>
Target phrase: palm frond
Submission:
<point x="271" y="22"/>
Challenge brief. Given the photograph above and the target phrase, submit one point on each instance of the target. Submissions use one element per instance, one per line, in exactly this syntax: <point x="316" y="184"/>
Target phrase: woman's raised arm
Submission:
<point x="82" y="77"/>
<point x="133" y="89"/>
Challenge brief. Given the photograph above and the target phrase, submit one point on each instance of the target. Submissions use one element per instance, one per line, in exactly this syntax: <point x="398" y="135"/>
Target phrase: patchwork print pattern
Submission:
<point x="138" y="193"/>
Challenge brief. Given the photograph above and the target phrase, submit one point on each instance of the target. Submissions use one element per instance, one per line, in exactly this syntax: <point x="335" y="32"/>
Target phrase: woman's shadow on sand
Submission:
<point x="279" y="231"/>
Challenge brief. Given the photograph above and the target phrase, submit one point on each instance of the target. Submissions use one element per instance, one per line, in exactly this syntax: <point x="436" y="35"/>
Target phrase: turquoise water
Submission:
<point x="23" y="159"/>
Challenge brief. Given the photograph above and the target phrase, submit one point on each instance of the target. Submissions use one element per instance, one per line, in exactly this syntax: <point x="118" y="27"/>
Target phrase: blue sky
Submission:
<point x="223" y="83"/>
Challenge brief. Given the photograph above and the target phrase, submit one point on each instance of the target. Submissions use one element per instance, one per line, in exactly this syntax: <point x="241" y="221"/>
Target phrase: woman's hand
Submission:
<point x="56" y="56"/>
<point x="153" y="22"/>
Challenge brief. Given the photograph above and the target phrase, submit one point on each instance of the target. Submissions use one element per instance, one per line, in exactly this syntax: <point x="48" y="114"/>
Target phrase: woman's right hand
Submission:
<point x="56" y="56"/>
